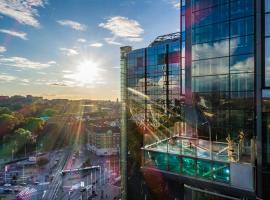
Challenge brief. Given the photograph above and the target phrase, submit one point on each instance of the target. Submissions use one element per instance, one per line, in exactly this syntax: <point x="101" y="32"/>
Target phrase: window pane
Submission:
<point x="210" y="33"/>
<point x="210" y="67"/>
<point x="267" y="62"/>
<point x="243" y="63"/>
<point x="241" y="8"/>
<point x="221" y="172"/>
<point x="188" y="166"/>
<point x="241" y="45"/>
<point x="267" y="25"/>
<point x="174" y="163"/>
<point x="211" y="15"/>
<point x="242" y="27"/>
<point x="267" y="5"/>
<point x="210" y="50"/>
<point x="242" y="82"/>
<point x="204" y="169"/>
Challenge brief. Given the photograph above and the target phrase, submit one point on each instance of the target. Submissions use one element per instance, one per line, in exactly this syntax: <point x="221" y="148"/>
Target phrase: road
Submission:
<point x="56" y="184"/>
<point x="59" y="187"/>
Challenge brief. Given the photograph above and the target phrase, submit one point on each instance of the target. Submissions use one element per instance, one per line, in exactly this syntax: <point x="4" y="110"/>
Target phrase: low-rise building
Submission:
<point x="104" y="140"/>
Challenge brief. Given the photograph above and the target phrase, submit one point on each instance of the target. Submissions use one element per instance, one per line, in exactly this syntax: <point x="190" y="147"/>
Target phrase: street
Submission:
<point x="48" y="182"/>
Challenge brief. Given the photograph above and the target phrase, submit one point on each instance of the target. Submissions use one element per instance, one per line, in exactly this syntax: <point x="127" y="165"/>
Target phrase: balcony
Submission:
<point x="192" y="157"/>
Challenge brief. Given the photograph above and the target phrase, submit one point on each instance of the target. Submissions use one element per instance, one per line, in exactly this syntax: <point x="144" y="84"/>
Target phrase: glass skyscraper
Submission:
<point x="197" y="106"/>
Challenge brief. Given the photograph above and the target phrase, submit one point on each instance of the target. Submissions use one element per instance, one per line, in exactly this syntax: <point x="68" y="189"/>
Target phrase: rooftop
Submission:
<point x="165" y="38"/>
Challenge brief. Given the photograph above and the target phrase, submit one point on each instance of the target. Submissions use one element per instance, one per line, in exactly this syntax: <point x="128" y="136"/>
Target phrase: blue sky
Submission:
<point x="70" y="48"/>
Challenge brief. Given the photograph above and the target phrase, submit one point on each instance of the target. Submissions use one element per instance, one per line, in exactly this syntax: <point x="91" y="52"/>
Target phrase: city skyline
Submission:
<point x="71" y="50"/>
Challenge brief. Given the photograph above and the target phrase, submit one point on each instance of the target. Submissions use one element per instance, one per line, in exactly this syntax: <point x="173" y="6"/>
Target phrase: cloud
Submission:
<point x="82" y="40"/>
<point x="52" y="62"/>
<point x="112" y="41"/>
<point x="122" y="27"/>
<point x="174" y="3"/>
<point x="64" y="83"/>
<point x="67" y="71"/>
<point x="2" y="49"/>
<point x="69" y="52"/>
<point x="206" y="50"/>
<point x="72" y="24"/>
<point x="96" y="45"/>
<point x="42" y="73"/>
<point x="25" y="80"/>
<point x="21" y="62"/>
<point x="7" y="78"/>
<point x="23" y="11"/>
<point x="20" y="35"/>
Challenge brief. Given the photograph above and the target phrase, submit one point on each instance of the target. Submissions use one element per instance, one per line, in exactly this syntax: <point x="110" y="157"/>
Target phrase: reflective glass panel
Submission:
<point x="267" y="24"/>
<point x="174" y="163"/>
<point x="242" y="8"/>
<point x="204" y="169"/>
<point x="267" y="5"/>
<point x="188" y="166"/>
<point x="221" y="172"/>
<point x="242" y="45"/>
<point x="243" y="26"/>
<point x="267" y="62"/>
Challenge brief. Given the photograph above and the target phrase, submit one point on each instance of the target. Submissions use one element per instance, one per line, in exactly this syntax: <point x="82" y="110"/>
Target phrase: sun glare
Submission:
<point x="87" y="72"/>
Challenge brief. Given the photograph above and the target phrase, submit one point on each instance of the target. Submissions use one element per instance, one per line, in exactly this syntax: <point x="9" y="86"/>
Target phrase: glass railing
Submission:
<point x="192" y="157"/>
<point x="188" y="166"/>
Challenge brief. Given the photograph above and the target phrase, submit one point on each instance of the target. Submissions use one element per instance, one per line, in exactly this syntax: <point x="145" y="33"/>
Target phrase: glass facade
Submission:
<point x="266" y="104"/>
<point x="223" y="73"/>
<point x="213" y="137"/>
<point x="221" y="127"/>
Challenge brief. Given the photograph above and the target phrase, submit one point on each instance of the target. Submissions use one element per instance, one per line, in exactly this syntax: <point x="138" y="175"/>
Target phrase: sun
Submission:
<point x="87" y="72"/>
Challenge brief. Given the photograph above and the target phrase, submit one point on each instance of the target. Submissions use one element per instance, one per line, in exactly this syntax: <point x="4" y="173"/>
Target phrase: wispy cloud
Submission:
<point x="113" y="41"/>
<point x="97" y="44"/>
<point x="21" y="62"/>
<point x="82" y="40"/>
<point x="69" y="52"/>
<point x="20" y="35"/>
<point x="7" y="78"/>
<point x="64" y="83"/>
<point x="67" y="71"/>
<point x="2" y="49"/>
<point x="24" y="80"/>
<point x="72" y="24"/>
<point x="122" y="27"/>
<point x="23" y="11"/>
<point x="174" y="3"/>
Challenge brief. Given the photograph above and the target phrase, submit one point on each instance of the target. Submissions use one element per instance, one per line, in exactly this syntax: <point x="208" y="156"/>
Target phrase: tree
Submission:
<point x="23" y="137"/>
<point x="34" y="124"/>
<point x="48" y="112"/>
<point x="7" y="123"/>
<point x="4" y="110"/>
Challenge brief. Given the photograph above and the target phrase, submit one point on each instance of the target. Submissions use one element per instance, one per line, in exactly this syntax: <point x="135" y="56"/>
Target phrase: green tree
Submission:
<point x="34" y="124"/>
<point x="7" y="123"/>
<point x="23" y="137"/>
<point x="4" y="110"/>
<point x="48" y="112"/>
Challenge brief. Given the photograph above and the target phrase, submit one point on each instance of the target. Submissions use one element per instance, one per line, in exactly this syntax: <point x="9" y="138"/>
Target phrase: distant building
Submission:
<point x="104" y="141"/>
